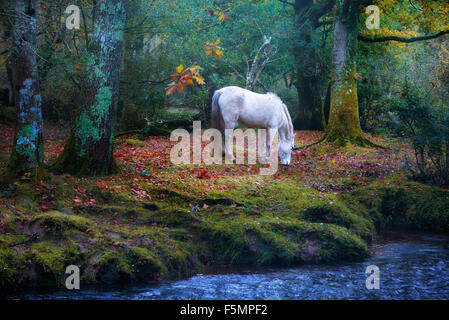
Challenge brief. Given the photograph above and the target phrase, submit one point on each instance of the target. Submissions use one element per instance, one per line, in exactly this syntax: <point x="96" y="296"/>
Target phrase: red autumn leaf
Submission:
<point x="203" y="174"/>
<point x="101" y="185"/>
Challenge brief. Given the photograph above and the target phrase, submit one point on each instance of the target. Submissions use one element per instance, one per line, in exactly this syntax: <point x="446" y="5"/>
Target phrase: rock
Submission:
<point x="24" y="201"/>
<point x="65" y="210"/>
<point x="131" y="212"/>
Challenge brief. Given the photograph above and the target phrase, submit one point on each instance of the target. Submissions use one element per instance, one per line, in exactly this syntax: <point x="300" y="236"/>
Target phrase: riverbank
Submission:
<point x="155" y="221"/>
<point x="413" y="265"/>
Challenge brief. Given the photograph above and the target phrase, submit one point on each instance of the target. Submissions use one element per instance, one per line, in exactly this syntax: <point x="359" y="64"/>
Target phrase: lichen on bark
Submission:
<point x="89" y="150"/>
<point x="28" y="147"/>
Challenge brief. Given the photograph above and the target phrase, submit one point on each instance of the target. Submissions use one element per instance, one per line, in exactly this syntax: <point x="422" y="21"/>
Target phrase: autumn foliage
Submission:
<point x="213" y="48"/>
<point x="184" y="77"/>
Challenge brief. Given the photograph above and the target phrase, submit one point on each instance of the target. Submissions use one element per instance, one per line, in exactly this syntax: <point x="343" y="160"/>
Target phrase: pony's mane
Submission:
<point x="274" y="96"/>
<point x="289" y="121"/>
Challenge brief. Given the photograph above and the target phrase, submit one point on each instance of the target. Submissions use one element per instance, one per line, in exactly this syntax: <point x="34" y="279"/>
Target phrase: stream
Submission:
<point x="412" y="266"/>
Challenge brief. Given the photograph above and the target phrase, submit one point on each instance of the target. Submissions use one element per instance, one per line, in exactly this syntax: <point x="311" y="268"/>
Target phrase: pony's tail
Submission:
<point x="215" y="114"/>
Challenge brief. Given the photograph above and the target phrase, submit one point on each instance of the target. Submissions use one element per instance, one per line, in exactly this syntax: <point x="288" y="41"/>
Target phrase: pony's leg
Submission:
<point x="223" y="139"/>
<point x="228" y="140"/>
<point x="270" y="136"/>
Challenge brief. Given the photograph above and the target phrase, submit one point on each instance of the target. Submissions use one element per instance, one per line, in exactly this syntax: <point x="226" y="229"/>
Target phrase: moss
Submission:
<point x="10" y="266"/>
<point x="129" y="264"/>
<point x="268" y="241"/>
<point x="52" y="259"/>
<point x="145" y="264"/>
<point x="339" y="214"/>
<point x="405" y="204"/>
<point x="340" y="244"/>
<point x="281" y="223"/>
<point x="344" y="125"/>
<point x="135" y="143"/>
<point x="9" y="240"/>
<point x="177" y="257"/>
<point x="56" y="222"/>
<point x="113" y="267"/>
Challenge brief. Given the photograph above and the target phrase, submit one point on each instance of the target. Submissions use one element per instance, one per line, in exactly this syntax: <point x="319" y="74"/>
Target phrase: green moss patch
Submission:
<point x="56" y="222"/>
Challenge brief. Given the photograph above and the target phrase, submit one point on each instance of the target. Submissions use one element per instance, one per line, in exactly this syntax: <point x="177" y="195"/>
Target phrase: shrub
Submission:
<point x="426" y="123"/>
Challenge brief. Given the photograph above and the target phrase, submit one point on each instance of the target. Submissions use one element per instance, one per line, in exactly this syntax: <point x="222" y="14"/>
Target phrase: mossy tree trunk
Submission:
<point x="28" y="148"/>
<point x="344" y="125"/>
<point x="89" y="149"/>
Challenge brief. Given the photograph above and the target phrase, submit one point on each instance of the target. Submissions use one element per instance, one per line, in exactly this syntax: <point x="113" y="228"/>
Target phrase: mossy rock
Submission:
<point x="339" y="214"/>
<point x="52" y="259"/>
<point x="129" y="264"/>
<point x="281" y="242"/>
<point x="57" y="223"/>
<point x="135" y="143"/>
<point x="406" y="205"/>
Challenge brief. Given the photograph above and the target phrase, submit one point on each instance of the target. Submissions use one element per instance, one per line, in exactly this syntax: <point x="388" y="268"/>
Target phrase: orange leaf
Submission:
<point x="171" y="90"/>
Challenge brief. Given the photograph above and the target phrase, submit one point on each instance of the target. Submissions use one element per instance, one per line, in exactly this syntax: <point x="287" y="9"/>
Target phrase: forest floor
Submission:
<point x="155" y="220"/>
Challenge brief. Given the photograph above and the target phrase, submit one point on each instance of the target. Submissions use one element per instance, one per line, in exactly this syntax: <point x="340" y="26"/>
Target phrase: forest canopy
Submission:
<point x="172" y="55"/>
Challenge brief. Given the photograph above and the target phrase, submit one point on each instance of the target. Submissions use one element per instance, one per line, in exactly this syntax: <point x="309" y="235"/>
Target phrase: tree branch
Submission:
<point x="286" y="2"/>
<point x="257" y="67"/>
<point x="414" y="6"/>
<point x="401" y="39"/>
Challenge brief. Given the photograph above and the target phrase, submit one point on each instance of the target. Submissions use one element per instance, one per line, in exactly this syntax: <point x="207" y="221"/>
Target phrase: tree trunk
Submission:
<point x="89" y="149"/>
<point x="10" y="84"/>
<point x="307" y="83"/>
<point x="344" y="124"/>
<point x="309" y="104"/>
<point x="28" y="148"/>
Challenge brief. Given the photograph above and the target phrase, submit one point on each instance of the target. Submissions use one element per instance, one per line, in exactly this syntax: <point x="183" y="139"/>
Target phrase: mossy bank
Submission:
<point x="115" y="239"/>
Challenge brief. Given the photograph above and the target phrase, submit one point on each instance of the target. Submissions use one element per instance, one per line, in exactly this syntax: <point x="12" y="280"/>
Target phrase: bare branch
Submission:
<point x="414" y="6"/>
<point x="402" y="39"/>
<point x="257" y="67"/>
<point x="287" y="2"/>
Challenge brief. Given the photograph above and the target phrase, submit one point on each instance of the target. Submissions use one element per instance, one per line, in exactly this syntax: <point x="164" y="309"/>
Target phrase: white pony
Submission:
<point x="232" y="105"/>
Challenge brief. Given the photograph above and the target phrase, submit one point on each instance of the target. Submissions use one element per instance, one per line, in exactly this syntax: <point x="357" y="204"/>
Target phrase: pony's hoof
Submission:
<point x="264" y="160"/>
<point x="230" y="159"/>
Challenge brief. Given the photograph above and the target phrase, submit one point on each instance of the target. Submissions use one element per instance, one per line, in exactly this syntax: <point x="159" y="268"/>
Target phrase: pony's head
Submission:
<point x="285" y="150"/>
<point x="287" y="141"/>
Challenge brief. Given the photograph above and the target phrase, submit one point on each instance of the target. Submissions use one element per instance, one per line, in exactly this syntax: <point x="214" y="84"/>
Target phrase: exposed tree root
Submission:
<point x="358" y="141"/>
